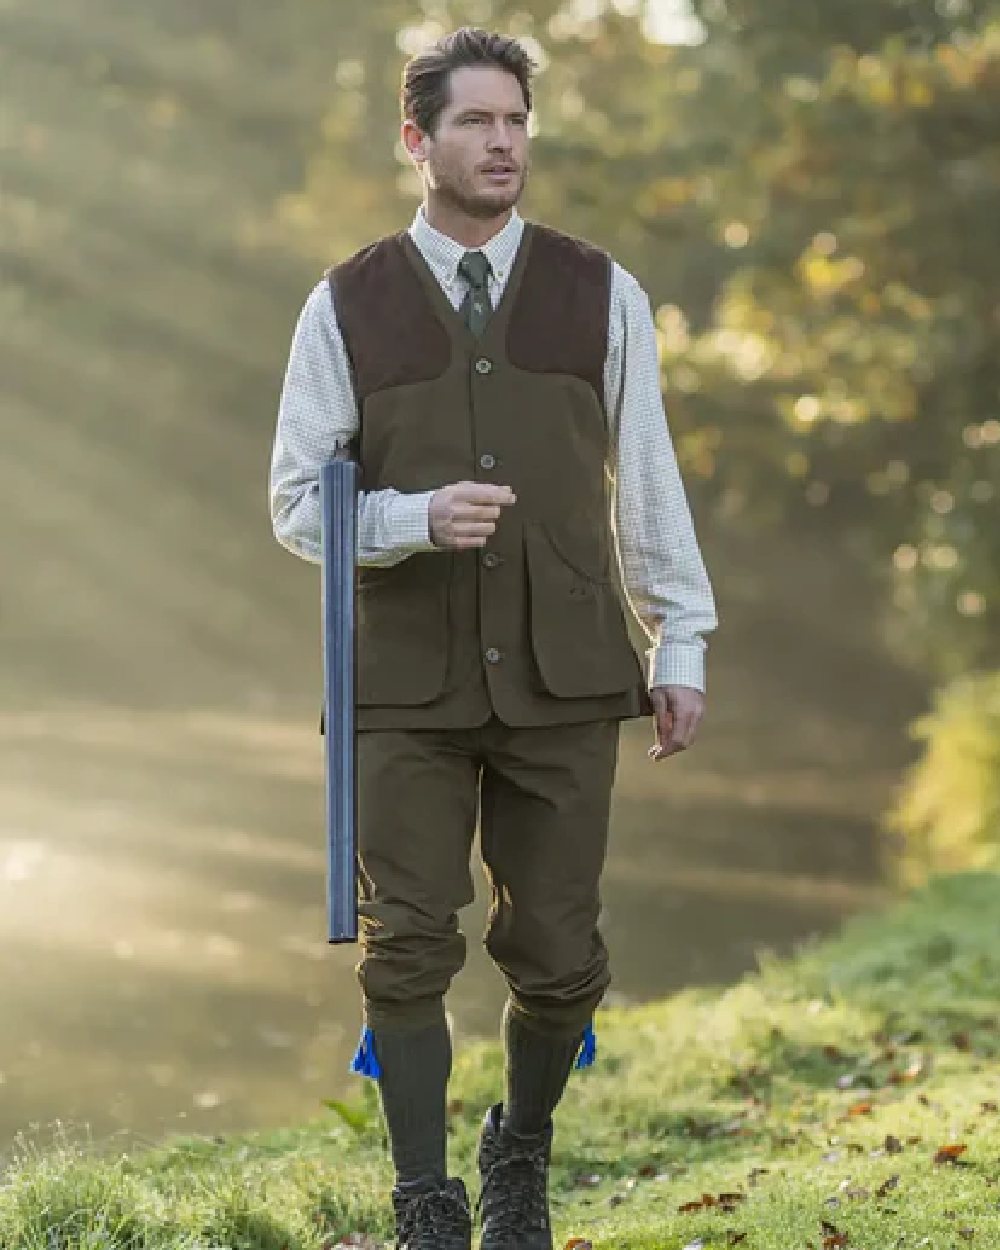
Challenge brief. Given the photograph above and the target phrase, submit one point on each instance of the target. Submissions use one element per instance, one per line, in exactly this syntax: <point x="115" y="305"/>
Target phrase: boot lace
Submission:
<point x="513" y="1195"/>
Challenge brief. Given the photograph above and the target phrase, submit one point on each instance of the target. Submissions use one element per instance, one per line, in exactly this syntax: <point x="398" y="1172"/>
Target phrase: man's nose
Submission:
<point x="501" y="137"/>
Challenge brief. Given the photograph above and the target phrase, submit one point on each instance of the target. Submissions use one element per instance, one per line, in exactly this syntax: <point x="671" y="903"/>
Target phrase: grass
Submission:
<point x="846" y="1098"/>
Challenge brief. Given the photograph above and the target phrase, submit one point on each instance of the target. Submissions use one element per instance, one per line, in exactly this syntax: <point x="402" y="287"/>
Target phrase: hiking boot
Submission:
<point x="514" y="1201"/>
<point x="432" y="1214"/>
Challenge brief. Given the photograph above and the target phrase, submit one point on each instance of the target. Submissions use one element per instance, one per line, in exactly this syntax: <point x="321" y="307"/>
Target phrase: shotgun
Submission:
<point x="338" y="490"/>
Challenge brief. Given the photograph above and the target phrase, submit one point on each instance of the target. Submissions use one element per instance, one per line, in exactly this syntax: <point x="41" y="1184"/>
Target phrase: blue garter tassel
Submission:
<point x="365" y="1061"/>
<point x="588" y="1049"/>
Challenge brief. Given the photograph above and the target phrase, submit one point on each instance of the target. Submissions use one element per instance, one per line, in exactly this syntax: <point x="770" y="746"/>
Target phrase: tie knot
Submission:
<point x="474" y="267"/>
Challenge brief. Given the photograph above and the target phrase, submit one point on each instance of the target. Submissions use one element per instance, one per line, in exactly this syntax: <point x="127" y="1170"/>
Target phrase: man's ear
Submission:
<point x="414" y="140"/>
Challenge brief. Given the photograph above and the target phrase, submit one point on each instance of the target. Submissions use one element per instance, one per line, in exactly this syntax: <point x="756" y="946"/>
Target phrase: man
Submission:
<point x="498" y="381"/>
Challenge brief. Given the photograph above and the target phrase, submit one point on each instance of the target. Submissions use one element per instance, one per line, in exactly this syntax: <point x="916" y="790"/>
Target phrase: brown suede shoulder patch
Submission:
<point x="559" y="323"/>
<point x="388" y="325"/>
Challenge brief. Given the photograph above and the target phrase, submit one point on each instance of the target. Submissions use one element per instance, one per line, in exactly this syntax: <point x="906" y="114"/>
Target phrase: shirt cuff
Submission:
<point x="411" y="521"/>
<point x="677" y="664"/>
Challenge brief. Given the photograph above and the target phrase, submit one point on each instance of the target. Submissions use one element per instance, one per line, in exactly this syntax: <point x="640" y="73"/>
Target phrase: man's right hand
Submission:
<point x="465" y="514"/>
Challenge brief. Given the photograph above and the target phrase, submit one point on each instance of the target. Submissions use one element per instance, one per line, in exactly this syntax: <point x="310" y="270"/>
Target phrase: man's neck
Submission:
<point x="471" y="232"/>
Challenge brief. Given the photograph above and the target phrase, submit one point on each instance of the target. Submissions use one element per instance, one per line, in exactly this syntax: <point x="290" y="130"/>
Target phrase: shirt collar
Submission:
<point x="443" y="253"/>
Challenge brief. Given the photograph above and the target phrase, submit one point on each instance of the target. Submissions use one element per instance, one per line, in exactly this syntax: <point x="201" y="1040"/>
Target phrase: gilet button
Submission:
<point x="483" y="365"/>
<point x="492" y="655"/>
<point x="487" y="461"/>
<point x="490" y="559"/>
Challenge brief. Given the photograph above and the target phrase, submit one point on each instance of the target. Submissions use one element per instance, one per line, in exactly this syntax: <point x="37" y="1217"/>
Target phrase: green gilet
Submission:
<point x="530" y="627"/>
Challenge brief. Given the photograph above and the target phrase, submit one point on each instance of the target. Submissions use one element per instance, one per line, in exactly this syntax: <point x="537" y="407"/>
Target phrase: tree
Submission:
<point x="854" y="349"/>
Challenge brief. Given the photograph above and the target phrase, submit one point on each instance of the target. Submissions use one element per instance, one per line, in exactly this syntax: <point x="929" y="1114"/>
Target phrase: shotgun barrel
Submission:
<point x="338" y="503"/>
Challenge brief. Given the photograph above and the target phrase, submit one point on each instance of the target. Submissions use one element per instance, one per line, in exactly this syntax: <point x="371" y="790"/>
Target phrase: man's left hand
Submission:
<point x="678" y="711"/>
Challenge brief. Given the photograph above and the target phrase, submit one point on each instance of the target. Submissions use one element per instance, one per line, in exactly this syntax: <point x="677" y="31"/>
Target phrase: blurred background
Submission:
<point x="809" y="192"/>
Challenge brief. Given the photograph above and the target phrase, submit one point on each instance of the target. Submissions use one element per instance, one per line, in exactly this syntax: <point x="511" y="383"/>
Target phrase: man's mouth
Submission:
<point x="499" y="171"/>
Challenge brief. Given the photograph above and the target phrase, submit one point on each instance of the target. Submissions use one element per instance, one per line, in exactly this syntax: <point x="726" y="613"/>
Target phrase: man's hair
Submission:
<point x="426" y="78"/>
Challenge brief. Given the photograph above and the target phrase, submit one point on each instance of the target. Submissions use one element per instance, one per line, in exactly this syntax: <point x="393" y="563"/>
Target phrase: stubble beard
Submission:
<point x="461" y="193"/>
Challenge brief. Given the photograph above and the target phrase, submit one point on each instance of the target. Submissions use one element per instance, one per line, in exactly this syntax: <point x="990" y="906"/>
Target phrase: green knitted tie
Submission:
<point x="476" y="307"/>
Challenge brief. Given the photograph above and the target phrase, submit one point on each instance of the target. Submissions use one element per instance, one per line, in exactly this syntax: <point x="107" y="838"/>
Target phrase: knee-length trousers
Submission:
<point x="542" y="796"/>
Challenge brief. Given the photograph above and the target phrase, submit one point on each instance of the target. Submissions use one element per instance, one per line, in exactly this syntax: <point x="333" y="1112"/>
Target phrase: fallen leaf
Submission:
<point x="578" y="1243"/>
<point x="961" y="1040"/>
<point x="647" y="1171"/>
<point x="860" y="1108"/>
<point x="734" y="1238"/>
<point x="893" y="1146"/>
<point x="833" y="1238"/>
<point x="949" y="1154"/>
<point x="967" y="1233"/>
<point x="698" y="1204"/>
<point x="587" y="1181"/>
<point x="833" y="1053"/>
<point x="989" y="1105"/>
<point x="888" y="1185"/>
<point x="696" y="1245"/>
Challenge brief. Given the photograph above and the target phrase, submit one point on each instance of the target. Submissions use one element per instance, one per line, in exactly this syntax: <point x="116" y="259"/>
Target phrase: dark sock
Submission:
<point x="415" y="1066"/>
<point x="537" y="1069"/>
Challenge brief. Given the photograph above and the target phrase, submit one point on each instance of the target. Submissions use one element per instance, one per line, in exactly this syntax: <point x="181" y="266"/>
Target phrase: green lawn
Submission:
<point x="846" y="1098"/>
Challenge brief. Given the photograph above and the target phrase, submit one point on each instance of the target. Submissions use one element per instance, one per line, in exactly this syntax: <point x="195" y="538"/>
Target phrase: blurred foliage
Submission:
<point x="948" y="814"/>
<point x="852" y="360"/>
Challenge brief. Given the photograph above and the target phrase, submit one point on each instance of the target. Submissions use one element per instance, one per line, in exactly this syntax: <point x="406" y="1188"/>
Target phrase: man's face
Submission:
<point x="477" y="157"/>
